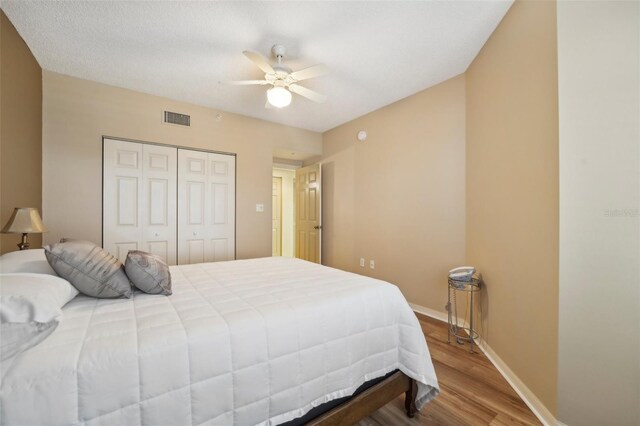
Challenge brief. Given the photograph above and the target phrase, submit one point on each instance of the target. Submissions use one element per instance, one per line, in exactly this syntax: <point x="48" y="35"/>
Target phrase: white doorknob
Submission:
<point x="195" y="233"/>
<point x="157" y="234"/>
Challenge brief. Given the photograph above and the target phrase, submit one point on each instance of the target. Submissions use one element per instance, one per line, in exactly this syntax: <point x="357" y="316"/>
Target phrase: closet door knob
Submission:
<point x="195" y="233"/>
<point x="156" y="234"/>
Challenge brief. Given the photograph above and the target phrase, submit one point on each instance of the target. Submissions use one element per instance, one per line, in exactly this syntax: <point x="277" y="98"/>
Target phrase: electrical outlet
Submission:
<point x="362" y="262"/>
<point x="372" y="264"/>
<point x="260" y="208"/>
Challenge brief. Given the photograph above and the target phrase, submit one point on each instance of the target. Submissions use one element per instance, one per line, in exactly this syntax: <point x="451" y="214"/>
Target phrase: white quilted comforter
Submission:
<point x="245" y="342"/>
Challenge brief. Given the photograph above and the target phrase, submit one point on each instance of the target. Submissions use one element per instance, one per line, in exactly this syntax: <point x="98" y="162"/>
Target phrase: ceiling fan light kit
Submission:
<point x="283" y="80"/>
<point x="279" y="97"/>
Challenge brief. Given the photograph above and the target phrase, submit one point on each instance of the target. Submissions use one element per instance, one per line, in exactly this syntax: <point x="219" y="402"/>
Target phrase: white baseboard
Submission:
<point x="442" y="316"/>
<point x="529" y="398"/>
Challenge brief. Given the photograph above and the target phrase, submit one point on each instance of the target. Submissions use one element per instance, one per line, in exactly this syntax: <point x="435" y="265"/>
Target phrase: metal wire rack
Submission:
<point x="461" y="332"/>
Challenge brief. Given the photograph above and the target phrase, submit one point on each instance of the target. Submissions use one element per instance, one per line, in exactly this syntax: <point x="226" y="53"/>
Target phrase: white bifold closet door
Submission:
<point x="206" y="206"/>
<point x="173" y="202"/>
<point x="139" y="199"/>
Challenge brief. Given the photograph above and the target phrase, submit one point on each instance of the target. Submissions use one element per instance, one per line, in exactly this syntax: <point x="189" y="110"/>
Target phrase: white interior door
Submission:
<point x="122" y="216"/>
<point x="206" y="207"/>
<point x="309" y="213"/>
<point x="159" y="201"/>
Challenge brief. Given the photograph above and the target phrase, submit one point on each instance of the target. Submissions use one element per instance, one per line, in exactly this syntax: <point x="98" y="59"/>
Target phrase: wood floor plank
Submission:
<point x="395" y="416"/>
<point x="483" y="393"/>
<point x="504" y="420"/>
<point x="472" y="391"/>
<point x="470" y="364"/>
<point x="460" y="408"/>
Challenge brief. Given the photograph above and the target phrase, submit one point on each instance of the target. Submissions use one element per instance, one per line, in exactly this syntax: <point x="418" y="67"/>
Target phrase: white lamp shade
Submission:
<point x="279" y="97"/>
<point x="24" y="220"/>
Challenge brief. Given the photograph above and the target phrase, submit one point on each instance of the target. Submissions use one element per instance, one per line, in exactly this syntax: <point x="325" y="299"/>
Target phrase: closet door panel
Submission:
<point x="195" y="203"/>
<point x="206" y="207"/>
<point x="159" y="208"/>
<point x="123" y="186"/>
<point x="192" y="202"/>
<point x="221" y="213"/>
<point x="159" y="201"/>
<point x="195" y="251"/>
<point x="219" y="203"/>
<point x="127" y="200"/>
<point x="121" y="249"/>
<point x="220" y="249"/>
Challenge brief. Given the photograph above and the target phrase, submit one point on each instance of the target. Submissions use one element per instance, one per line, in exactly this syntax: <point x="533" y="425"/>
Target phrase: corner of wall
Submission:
<point x="512" y="194"/>
<point x="21" y="130"/>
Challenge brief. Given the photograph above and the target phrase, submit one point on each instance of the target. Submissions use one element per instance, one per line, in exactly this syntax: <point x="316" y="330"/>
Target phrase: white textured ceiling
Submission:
<point x="378" y="52"/>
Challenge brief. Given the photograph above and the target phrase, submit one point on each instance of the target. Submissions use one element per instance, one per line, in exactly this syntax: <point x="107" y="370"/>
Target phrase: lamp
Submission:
<point x="279" y="97"/>
<point x="24" y="220"/>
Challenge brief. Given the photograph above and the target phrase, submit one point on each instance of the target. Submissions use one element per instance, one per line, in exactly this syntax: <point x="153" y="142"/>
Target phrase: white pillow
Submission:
<point x="33" y="261"/>
<point x="30" y="310"/>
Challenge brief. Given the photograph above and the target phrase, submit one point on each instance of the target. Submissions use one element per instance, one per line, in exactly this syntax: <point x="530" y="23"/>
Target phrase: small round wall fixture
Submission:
<point x="362" y="136"/>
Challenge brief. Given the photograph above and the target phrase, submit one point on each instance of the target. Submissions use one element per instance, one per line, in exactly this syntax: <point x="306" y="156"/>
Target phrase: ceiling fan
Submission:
<point x="283" y="80"/>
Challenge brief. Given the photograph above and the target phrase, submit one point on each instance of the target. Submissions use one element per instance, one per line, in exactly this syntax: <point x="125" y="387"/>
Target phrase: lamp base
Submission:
<point x="24" y="244"/>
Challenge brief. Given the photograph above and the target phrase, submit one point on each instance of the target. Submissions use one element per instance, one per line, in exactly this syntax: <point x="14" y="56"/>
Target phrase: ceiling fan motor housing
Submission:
<point x="278" y="51"/>
<point x="281" y="70"/>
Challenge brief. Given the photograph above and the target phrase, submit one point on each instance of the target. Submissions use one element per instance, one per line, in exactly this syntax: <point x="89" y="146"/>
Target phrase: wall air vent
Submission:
<point x="177" y="118"/>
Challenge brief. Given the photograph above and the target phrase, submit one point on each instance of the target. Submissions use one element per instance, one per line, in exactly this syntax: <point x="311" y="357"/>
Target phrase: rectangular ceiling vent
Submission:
<point x="177" y="118"/>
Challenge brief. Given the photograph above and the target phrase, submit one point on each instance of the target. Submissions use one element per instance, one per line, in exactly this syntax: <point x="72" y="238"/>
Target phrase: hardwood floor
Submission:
<point x="472" y="391"/>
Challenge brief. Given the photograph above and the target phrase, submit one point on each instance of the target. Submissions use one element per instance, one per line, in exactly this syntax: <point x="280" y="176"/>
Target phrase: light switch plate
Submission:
<point x="260" y="208"/>
<point x="362" y="262"/>
<point x="372" y="264"/>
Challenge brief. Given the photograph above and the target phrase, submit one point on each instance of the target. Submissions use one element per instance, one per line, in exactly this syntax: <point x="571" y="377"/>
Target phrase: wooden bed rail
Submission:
<point x="367" y="402"/>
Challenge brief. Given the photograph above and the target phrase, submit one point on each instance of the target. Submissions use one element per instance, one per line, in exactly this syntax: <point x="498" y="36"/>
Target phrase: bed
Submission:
<point x="260" y="341"/>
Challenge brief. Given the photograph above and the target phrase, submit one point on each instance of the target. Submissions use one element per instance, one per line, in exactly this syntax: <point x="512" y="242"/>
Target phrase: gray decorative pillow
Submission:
<point x="91" y="269"/>
<point x="148" y="272"/>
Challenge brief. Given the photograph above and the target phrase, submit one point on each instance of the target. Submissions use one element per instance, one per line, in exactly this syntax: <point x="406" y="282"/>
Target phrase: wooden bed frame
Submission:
<point x="365" y="403"/>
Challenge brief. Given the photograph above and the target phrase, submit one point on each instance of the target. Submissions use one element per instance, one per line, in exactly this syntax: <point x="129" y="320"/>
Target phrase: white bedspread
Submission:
<point x="245" y="342"/>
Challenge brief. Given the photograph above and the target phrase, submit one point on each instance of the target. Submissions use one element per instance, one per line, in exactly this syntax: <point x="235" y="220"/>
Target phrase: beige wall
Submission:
<point x="599" y="99"/>
<point x="288" y="177"/>
<point x="77" y="113"/>
<point x="398" y="197"/>
<point x="512" y="192"/>
<point x="20" y="131"/>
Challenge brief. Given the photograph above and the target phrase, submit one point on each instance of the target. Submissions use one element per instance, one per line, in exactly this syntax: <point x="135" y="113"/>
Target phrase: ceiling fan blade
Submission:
<point x="311" y="72"/>
<point x="307" y="93"/>
<point x="244" y="82"/>
<point x="260" y="61"/>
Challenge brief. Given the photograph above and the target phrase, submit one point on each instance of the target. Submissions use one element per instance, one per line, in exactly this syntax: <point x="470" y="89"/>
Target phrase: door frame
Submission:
<point x="235" y="177"/>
